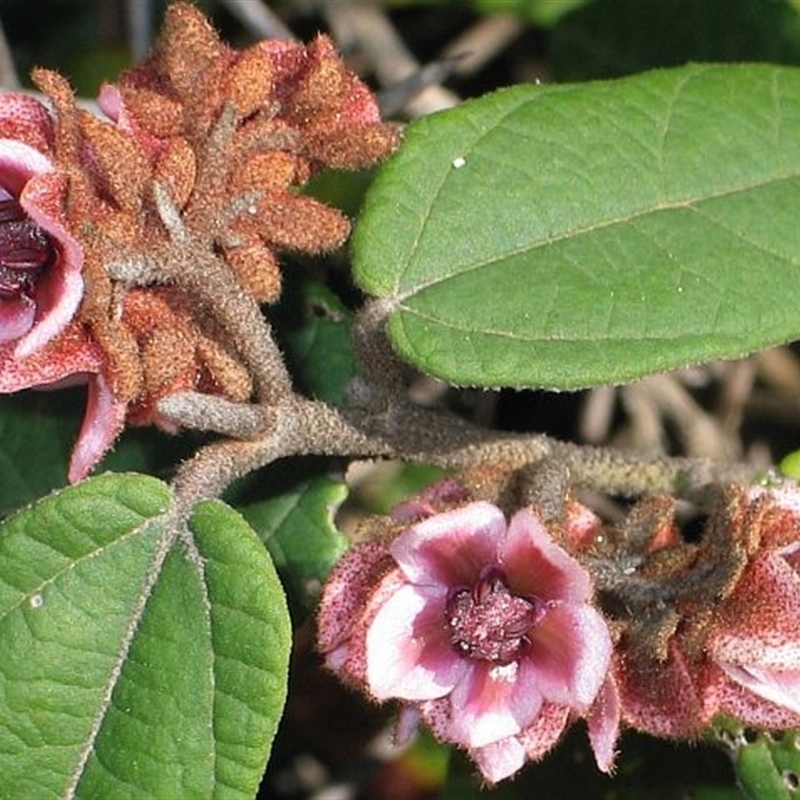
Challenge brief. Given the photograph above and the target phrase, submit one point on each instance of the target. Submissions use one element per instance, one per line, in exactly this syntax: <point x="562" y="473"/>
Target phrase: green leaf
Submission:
<point x="609" y="38"/>
<point x="567" y="236"/>
<point x="768" y="767"/>
<point x="37" y="430"/>
<point x="138" y="658"/>
<point x="314" y="328"/>
<point x="298" y="530"/>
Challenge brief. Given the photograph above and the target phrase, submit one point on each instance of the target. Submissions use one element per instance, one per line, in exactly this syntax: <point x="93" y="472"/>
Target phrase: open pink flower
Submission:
<point x="40" y="262"/>
<point x="41" y="286"/>
<point x="482" y="628"/>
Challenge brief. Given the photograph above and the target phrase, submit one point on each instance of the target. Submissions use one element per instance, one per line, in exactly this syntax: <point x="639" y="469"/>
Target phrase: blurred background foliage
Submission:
<point x="331" y="745"/>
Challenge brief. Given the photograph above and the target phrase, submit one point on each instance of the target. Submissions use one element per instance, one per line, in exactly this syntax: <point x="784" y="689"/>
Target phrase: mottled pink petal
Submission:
<point x="545" y="731"/>
<point x="603" y="721"/>
<point x="436" y="714"/>
<point x="450" y="549"/>
<point x="725" y="696"/>
<point x="354" y="668"/>
<point x="25" y="119"/>
<point x="409" y="655"/>
<point x="347" y="590"/>
<point x="72" y="353"/>
<point x="500" y="760"/>
<point x="102" y="423"/>
<point x="537" y="566"/>
<point x="757" y="628"/>
<point x="659" y="697"/>
<point x="570" y="654"/>
<point x="492" y="702"/>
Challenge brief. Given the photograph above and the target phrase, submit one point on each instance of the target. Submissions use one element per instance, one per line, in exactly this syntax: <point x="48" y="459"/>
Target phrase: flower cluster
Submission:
<point x="499" y="632"/>
<point x="723" y="639"/>
<point x="110" y="229"/>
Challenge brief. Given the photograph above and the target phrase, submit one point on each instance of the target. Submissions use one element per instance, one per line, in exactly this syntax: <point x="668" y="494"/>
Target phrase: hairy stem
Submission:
<point x="298" y="426"/>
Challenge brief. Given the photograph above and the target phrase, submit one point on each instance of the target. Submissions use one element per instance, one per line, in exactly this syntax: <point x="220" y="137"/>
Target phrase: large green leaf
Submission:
<point x="137" y="658"/>
<point x="571" y="235"/>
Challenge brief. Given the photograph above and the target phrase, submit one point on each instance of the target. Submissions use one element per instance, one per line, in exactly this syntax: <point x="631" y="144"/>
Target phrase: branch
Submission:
<point x="298" y="426"/>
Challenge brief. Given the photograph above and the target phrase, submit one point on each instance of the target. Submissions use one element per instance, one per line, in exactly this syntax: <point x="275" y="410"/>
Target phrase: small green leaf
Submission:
<point x="573" y="235"/>
<point x="136" y="660"/>
<point x="298" y="530"/>
<point x="768" y="768"/>
<point x="314" y="328"/>
<point x="790" y="465"/>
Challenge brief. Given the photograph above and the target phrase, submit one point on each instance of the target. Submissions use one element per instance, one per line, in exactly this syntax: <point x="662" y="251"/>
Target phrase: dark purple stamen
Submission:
<point x="25" y="251"/>
<point x="490" y="623"/>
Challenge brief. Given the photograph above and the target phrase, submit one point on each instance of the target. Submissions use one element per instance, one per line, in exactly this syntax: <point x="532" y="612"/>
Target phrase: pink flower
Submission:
<point x="482" y="628"/>
<point x="41" y="345"/>
<point x="40" y="262"/>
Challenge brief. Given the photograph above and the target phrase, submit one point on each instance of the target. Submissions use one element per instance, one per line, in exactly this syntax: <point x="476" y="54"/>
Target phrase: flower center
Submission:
<point x="488" y="622"/>
<point x="25" y="250"/>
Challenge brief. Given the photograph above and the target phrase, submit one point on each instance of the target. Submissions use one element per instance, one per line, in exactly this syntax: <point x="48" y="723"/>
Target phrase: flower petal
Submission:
<point x="60" y="289"/>
<point x="19" y="163"/>
<point x="779" y="687"/>
<point x="723" y="695"/>
<point x="659" y="697"/>
<point x="16" y="318"/>
<point x="537" y="566"/>
<point x="70" y="354"/>
<point x="346" y="592"/>
<point x="493" y="702"/>
<point x="24" y="119"/>
<point x="499" y="760"/>
<point x="603" y="722"/>
<point x="757" y="626"/>
<point x="409" y="654"/>
<point x="540" y="737"/>
<point x="570" y="655"/>
<point x="450" y="549"/>
<point x="102" y="423"/>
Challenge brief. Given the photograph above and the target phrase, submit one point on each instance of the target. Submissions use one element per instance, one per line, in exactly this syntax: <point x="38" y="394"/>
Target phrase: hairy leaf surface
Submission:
<point x="137" y="658"/>
<point x="571" y="235"/>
